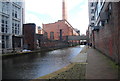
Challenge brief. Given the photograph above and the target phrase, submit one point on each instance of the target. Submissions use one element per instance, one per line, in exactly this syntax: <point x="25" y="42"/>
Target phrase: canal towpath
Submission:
<point x="88" y="64"/>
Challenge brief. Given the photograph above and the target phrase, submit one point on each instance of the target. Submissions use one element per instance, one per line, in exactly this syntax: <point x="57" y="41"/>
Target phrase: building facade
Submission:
<point x="33" y="40"/>
<point x="29" y="36"/>
<point x="59" y="30"/>
<point x="105" y="33"/>
<point x="91" y="8"/>
<point x="11" y="20"/>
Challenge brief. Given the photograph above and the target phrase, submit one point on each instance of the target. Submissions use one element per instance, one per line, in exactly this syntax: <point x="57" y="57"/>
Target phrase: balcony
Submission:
<point x="104" y="16"/>
<point x="95" y="28"/>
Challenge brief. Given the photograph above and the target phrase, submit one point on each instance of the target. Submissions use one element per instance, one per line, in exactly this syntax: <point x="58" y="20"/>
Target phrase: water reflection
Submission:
<point x="36" y="65"/>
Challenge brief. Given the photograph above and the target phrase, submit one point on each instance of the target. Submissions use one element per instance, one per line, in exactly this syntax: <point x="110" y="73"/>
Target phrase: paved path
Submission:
<point x="99" y="66"/>
<point x="88" y="64"/>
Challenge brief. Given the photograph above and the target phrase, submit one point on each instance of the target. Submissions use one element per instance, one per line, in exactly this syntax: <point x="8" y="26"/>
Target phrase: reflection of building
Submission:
<point x="104" y="33"/>
<point x="11" y="19"/>
<point x="60" y="29"/>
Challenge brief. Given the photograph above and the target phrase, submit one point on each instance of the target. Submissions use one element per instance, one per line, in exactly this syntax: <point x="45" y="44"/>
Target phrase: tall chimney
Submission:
<point x="64" y="13"/>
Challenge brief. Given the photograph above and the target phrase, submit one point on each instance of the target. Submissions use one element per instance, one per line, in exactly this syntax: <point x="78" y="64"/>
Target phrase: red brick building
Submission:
<point x="106" y="33"/>
<point x="59" y="30"/>
<point x="36" y="41"/>
<point x="29" y="36"/>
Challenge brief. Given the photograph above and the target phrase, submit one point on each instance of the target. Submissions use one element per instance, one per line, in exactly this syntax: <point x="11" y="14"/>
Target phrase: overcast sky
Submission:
<point x="50" y="11"/>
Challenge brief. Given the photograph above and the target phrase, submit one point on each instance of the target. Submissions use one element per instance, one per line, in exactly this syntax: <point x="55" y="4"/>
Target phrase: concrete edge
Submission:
<point x="23" y="53"/>
<point x="48" y="76"/>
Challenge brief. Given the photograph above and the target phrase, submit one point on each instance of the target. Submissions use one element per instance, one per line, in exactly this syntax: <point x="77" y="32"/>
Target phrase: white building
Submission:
<point x="11" y="21"/>
<point x="94" y="7"/>
<point x="91" y="12"/>
<point x="91" y="8"/>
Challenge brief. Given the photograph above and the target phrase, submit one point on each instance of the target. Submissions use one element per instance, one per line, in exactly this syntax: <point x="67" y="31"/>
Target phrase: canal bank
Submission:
<point x="31" y="52"/>
<point x="31" y="66"/>
<point x="88" y="64"/>
<point x="75" y="70"/>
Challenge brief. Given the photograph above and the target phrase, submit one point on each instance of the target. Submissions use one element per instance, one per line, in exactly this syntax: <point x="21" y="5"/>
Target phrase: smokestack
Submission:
<point x="64" y="13"/>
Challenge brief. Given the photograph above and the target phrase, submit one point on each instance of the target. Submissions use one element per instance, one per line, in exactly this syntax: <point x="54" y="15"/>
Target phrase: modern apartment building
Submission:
<point x="11" y="21"/>
<point x="91" y="9"/>
<point x="104" y="34"/>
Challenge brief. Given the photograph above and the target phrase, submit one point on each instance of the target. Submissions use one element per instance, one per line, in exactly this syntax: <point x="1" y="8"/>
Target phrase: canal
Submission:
<point x="32" y="66"/>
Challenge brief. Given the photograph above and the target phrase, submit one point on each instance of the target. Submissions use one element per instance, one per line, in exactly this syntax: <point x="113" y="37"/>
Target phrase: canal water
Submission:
<point x="32" y="66"/>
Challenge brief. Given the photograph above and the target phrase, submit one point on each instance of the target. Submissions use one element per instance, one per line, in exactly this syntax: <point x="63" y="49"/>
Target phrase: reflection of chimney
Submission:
<point x="64" y="14"/>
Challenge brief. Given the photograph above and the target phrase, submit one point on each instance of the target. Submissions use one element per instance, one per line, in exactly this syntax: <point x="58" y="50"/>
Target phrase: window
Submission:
<point x="6" y="30"/>
<point x="3" y="41"/>
<point x="92" y="18"/>
<point x="18" y="25"/>
<point x="15" y="31"/>
<point x="92" y="24"/>
<point x="102" y="23"/>
<point x="2" y="29"/>
<point x="15" y="14"/>
<point x="2" y="21"/>
<point x="91" y="4"/>
<point x="101" y="3"/>
<point x="46" y="34"/>
<point x="52" y="35"/>
<point x="5" y="7"/>
<point x="92" y="10"/>
<point x="110" y="10"/>
<point x="3" y="44"/>
<point x="18" y="32"/>
<point x="4" y="24"/>
<point x="15" y="27"/>
<point x="60" y="34"/>
<point x="7" y="41"/>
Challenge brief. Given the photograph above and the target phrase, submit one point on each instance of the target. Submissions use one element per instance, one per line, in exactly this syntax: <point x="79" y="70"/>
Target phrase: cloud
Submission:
<point x="52" y="10"/>
<point x="31" y="18"/>
<point x="71" y="4"/>
<point x="79" y="18"/>
<point x="51" y="7"/>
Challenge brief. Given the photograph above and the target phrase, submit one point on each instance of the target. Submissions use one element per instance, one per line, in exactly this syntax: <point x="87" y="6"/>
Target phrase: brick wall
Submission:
<point x="49" y="44"/>
<point x="107" y="39"/>
<point x="29" y="36"/>
<point x="55" y="27"/>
